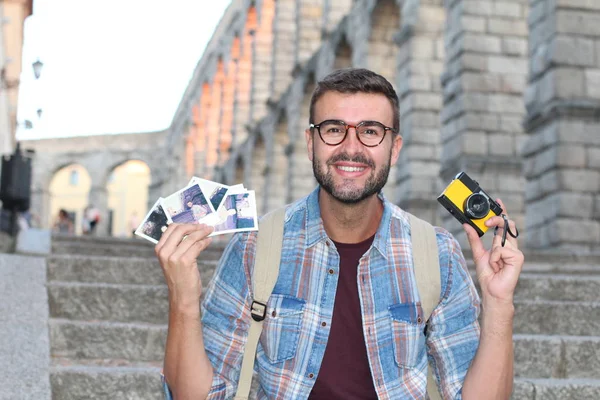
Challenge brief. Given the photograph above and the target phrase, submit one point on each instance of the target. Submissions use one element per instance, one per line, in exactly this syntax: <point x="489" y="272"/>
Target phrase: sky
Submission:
<point x="110" y="66"/>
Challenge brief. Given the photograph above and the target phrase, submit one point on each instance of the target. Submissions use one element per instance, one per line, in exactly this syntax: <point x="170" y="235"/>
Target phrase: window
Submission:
<point x="74" y="178"/>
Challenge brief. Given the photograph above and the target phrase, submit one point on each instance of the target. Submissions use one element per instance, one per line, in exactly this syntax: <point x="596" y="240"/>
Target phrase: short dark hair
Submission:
<point x="356" y="80"/>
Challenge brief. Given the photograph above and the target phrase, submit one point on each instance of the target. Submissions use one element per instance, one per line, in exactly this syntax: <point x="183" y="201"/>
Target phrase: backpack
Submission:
<point x="266" y="270"/>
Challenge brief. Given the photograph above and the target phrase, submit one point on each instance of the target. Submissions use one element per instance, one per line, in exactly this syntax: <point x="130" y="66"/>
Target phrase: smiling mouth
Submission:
<point x="351" y="169"/>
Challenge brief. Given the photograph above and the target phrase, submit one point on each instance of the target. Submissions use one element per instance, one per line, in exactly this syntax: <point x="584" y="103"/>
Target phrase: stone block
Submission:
<point x="106" y="383"/>
<point x="573" y="204"/>
<point x="478" y="82"/>
<point x="565" y="230"/>
<point x="34" y="241"/>
<point x="475" y="62"/>
<point x="471" y="23"/>
<point x="24" y="343"/>
<point x="474" y="143"/>
<point x="571" y="50"/>
<point x="536" y="358"/>
<point x="592" y="83"/>
<point x="507" y="9"/>
<point x="478" y="7"/>
<point x="514" y="46"/>
<point x="556" y="318"/>
<point x="506" y="65"/>
<point x="501" y="145"/>
<point x="501" y="26"/>
<point x="513" y="84"/>
<point x="586" y="181"/>
<point x="597" y="207"/>
<point x="511" y="123"/>
<point x="578" y="22"/>
<point x="506" y="103"/>
<point x="585" y="351"/>
<point x="480" y="43"/>
<point x="593" y="157"/>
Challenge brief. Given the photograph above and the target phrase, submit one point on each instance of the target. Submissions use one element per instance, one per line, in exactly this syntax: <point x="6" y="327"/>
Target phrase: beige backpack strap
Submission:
<point x="264" y="277"/>
<point x="427" y="273"/>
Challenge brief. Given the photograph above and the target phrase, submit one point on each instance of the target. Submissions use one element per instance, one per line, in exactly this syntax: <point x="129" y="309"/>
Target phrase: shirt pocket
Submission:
<point x="407" y="333"/>
<point x="281" y="328"/>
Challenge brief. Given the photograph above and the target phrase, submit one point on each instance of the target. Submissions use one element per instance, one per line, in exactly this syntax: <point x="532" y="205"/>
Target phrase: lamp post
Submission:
<point x="15" y="180"/>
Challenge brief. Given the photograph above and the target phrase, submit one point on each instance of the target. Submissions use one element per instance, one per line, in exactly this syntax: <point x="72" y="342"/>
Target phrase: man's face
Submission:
<point x="351" y="172"/>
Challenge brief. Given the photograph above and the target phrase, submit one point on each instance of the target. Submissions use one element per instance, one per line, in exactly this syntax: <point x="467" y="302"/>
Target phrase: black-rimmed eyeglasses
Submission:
<point x="369" y="133"/>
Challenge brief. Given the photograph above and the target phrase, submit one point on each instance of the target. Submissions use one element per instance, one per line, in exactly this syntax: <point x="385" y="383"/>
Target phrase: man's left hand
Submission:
<point x="498" y="269"/>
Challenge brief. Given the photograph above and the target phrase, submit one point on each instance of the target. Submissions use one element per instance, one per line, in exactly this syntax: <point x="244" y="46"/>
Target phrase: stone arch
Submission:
<point x="343" y="54"/>
<point x="65" y="193"/>
<point x="240" y="169"/>
<point x="127" y="195"/>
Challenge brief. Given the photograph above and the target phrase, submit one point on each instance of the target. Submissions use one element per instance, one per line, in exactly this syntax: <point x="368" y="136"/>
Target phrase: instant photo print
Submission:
<point x="237" y="213"/>
<point x="154" y="224"/>
<point x="189" y="206"/>
<point x="467" y="201"/>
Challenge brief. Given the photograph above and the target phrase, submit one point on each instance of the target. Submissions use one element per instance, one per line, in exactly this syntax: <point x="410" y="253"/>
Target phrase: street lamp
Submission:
<point x="37" y="68"/>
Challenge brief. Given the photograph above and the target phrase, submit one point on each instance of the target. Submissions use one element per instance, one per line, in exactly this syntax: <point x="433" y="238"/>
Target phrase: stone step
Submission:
<point x="560" y="357"/>
<point x="556" y="389"/>
<point x="133" y="342"/>
<point x="105" y="383"/>
<point x="557" y="318"/>
<point x="130" y="270"/>
<point x="555" y="287"/>
<point x="108" y="302"/>
<point x="110" y="246"/>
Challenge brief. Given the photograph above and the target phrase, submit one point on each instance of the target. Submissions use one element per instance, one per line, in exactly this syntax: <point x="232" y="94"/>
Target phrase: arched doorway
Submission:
<point x="127" y="189"/>
<point x="69" y="190"/>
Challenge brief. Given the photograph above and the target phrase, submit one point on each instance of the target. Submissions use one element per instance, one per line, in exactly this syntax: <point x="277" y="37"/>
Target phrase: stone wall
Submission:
<point x="562" y="153"/>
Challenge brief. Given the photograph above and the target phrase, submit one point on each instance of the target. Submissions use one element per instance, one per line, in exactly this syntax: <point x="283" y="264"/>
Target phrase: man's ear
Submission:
<point x="309" y="143"/>
<point x="396" y="147"/>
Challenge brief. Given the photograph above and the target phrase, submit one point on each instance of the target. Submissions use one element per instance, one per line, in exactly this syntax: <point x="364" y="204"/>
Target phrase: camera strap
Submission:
<point x="506" y="230"/>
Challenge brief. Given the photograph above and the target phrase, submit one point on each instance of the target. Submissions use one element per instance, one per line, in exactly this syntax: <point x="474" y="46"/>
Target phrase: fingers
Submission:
<point x="174" y="236"/>
<point x="474" y="241"/>
<point x="501" y="257"/>
<point x="190" y="247"/>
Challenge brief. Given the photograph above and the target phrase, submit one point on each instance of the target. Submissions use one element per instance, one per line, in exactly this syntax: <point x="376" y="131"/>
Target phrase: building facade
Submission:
<point x="506" y="90"/>
<point x="12" y="17"/>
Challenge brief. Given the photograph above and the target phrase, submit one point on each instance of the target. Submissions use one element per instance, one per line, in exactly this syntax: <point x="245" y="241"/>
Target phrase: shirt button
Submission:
<point x="419" y="320"/>
<point x="323" y="323"/>
<point x="274" y="314"/>
<point x="311" y="375"/>
<point x="331" y="271"/>
<point x="327" y="243"/>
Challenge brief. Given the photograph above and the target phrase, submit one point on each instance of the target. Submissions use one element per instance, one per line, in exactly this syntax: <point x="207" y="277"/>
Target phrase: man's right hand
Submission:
<point x="177" y="251"/>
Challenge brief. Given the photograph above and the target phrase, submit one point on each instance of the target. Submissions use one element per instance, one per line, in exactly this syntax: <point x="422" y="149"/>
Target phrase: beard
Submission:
<point x="347" y="192"/>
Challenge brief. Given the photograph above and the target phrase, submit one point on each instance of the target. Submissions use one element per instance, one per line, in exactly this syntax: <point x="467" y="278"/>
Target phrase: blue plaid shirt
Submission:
<point x="293" y="340"/>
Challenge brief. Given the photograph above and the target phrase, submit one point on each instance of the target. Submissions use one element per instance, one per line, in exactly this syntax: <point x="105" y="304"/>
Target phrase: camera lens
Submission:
<point x="477" y="206"/>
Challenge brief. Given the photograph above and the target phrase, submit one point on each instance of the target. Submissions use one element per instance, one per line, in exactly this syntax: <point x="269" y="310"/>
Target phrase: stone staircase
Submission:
<point x="557" y="329"/>
<point x="108" y="316"/>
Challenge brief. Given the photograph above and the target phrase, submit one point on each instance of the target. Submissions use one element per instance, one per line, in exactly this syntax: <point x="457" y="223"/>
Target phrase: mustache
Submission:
<point x="358" y="158"/>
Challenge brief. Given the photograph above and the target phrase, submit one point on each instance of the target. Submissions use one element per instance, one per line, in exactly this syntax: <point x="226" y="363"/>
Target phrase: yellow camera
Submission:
<point x="467" y="201"/>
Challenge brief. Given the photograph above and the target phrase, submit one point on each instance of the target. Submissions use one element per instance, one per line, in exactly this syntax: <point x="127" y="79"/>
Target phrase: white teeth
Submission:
<point x="351" y="169"/>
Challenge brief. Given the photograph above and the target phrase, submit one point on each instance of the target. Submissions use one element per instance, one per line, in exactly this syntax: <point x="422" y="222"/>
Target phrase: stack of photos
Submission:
<point x="228" y="209"/>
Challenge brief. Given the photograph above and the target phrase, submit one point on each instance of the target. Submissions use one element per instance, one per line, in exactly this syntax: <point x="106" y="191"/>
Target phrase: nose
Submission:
<point x="352" y="144"/>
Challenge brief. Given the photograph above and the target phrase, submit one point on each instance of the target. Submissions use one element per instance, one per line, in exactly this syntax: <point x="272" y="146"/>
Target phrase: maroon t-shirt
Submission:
<point x="345" y="372"/>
